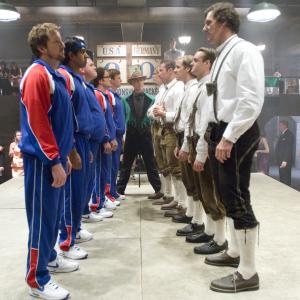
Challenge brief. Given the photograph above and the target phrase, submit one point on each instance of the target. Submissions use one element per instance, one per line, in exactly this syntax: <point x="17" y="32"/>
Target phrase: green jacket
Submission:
<point x="129" y="116"/>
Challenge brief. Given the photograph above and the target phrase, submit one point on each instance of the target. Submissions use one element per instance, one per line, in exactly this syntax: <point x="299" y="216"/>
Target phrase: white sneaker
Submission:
<point x="75" y="253"/>
<point x="91" y="218"/>
<point x="105" y="213"/>
<point x="50" y="291"/>
<point x="115" y="201"/>
<point x="109" y="205"/>
<point x="61" y="265"/>
<point x="83" y="236"/>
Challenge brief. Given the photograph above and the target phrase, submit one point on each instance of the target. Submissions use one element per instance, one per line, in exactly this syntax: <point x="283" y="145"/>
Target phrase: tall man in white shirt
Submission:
<point x="237" y="95"/>
<point x="166" y="112"/>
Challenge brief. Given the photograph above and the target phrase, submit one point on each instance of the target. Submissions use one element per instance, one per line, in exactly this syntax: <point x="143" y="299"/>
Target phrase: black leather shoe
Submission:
<point x="182" y="219"/>
<point x="190" y="229"/>
<point x="199" y="238"/>
<point x="222" y="260"/>
<point x="155" y="196"/>
<point x="211" y="248"/>
<point x="235" y="283"/>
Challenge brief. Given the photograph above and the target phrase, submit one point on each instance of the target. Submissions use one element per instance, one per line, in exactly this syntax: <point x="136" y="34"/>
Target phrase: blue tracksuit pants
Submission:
<point x="94" y="148"/>
<point x="43" y="208"/>
<point x="75" y="196"/>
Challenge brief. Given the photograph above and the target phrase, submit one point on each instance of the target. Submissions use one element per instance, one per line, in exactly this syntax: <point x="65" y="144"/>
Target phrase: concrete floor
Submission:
<point x="136" y="255"/>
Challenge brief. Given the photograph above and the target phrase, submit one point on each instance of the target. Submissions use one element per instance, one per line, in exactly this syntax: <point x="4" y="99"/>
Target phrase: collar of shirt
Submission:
<point x="220" y="48"/>
<point x="190" y="83"/>
<point x="204" y="79"/>
<point x="171" y="83"/>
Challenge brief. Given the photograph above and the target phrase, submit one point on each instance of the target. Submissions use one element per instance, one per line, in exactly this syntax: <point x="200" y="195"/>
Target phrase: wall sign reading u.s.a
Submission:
<point x="122" y="55"/>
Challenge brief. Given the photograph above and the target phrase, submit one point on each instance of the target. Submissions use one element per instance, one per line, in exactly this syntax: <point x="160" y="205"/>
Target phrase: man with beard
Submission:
<point x="76" y="186"/>
<point x="47" y="139"/>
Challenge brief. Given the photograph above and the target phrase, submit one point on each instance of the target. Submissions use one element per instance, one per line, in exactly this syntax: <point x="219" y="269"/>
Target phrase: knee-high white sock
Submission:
<point x="168" y="186"/>
<point x="189" y="206"/>
<point x="209" y="226"/>
<point x="233" y="247"/>
<point x="163" y="183"/>
<point x="219" y="237"/>
<point x="180" y="192"/>
<point x="247" y="242"/>
<point x="197" y="213"/>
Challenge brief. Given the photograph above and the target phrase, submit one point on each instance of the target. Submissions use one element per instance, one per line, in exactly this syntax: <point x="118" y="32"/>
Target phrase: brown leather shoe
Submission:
<point x="157" y="195"/>
<point x="168" y="198"/>
<point x="173" y="204"/>
<point x="222" y="260"/>
<point x="162" y="201"/>
<point x="235" y="283"/>
<point x="175" y="212"/>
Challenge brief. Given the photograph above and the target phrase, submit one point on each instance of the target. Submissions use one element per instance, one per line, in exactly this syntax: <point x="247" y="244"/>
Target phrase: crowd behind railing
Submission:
<point x="11" y="75"/>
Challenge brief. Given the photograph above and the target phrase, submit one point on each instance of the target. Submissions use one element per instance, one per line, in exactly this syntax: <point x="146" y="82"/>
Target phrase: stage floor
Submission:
<point x="136" y="255"/>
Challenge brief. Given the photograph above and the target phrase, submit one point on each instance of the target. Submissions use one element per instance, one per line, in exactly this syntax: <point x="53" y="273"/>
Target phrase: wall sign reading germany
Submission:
<point x="146" y="50"/>
<point x="109" y="50"/>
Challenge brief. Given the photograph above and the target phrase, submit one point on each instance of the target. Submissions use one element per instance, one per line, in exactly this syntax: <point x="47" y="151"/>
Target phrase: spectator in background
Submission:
<point x="284" y="152"/>
<point x="262" y="155"/>
<point x="172" y="53"/>
<point x="1" y="162"/>
<point x="15" y="77"/>
<point x="16" y="155"/>
<point x="5" y="87"/>
<point x="4" y="72"/>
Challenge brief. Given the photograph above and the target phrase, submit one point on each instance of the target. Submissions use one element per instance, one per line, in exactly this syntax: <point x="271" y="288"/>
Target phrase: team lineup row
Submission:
<point x="202" y="124"/>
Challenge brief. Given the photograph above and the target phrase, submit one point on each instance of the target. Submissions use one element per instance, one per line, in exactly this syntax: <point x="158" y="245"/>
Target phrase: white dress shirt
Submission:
<point x="171" y="99"/>
<point x="158" y="97"/>
<point x="204" y="114"/>
<point x="184" y="110"/>
<point x="240" y="86"/>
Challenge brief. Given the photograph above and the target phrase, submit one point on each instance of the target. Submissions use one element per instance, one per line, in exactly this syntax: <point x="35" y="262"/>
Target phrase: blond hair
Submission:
<point x="39" y="35"/>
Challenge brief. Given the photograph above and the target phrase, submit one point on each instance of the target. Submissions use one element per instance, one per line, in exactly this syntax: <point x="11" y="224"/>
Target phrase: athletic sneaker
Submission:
<point x="91" y="218"/>
<point x="50" y="291"/>
<point x="105" y="213"/>
<point x="83" y="236"/>
<point x="109" y="205"/>
<point x="74" y="253"/>
<point x="61" y="265"/>
<point x="112" y="199"/>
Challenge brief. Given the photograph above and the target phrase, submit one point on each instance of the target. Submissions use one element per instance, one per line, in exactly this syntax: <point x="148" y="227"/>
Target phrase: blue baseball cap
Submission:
<point x="74" y="44"/>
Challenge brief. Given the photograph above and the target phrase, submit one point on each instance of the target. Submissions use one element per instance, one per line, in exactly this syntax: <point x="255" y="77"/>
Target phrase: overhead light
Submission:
<point x="263" y="12"/>
<point x="261" y="47"/>
<point x="184" y="39"/>
<point x="8" y="12"/>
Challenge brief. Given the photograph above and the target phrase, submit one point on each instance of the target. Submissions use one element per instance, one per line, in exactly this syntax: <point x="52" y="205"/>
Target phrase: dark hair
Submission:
<point x="100" y="76"/>
<point x="113" y="73"/>
<point x="284" y="122"/>
<point x="169" y="64"/>
<point x="224" y="12"/>
<point x="73" y="45"/>
<point x="209" y="54"/>
<point x="90" y="53"/>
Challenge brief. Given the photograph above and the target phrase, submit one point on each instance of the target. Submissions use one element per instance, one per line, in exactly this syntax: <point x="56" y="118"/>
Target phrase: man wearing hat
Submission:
<point x="138" y="133"/>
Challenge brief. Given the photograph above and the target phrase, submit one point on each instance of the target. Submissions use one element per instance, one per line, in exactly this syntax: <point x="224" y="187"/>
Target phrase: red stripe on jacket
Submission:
<point x="37" y="101"/>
